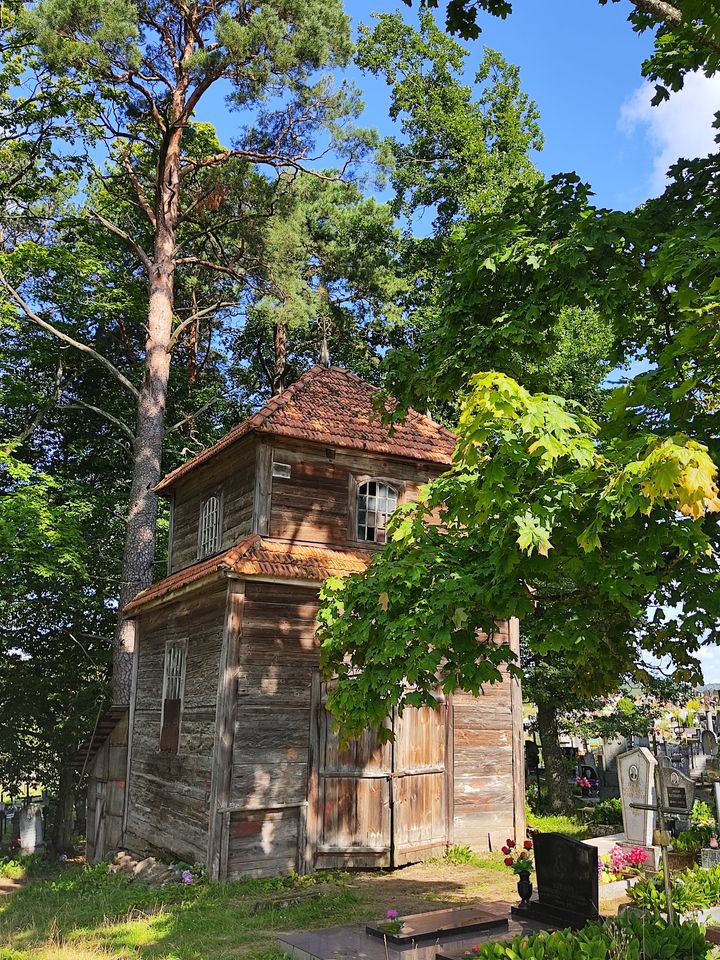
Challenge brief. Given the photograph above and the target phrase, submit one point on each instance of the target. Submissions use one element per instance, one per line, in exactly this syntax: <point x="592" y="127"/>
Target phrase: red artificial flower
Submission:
<point x="522" y="855"/>
<point x="508" y="861"/>
<point x="510" y="843"/>
<point x="506" y="850"/>
<point x="528" y="844"/>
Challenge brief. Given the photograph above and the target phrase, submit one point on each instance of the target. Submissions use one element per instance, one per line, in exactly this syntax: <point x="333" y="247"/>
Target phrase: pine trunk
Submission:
<point x="559" y="793"/>
<point x="139" y="551"/>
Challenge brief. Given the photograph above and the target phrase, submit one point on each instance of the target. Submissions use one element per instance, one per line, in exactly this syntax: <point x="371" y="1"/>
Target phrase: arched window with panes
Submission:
<point x="209" y="528"/>
<point x="377" y="499"/>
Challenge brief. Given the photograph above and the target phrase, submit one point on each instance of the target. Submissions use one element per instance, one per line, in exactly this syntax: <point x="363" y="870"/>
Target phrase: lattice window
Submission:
<point x="376" y="501"/>
<point x="209" y="527"/>
<point x="173" y="686"/>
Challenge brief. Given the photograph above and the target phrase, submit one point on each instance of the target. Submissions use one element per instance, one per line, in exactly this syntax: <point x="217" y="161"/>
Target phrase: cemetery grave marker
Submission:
<point x="567" y="882"/>
<point x="679" y="791"/>
<point x="636" y="772"/>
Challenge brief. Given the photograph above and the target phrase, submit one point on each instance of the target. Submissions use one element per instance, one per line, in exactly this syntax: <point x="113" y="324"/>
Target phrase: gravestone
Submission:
<point x="31" y="829"/>
<point x="678" y="790"/>
<point x="417" y="927"/>
<point x="566" y="873"/>
<point x="712" y="769"/>
<point x="709" y="858"/>
<point x="636" y="770"/>
<point x="709" y="743"/>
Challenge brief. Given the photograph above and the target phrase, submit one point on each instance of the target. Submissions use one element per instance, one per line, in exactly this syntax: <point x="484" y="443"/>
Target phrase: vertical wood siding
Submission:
<point x="169" y="793"/>
<point x="269" y="777"/>
<point x="484" y="769"/>
<point x="314" y="503"/>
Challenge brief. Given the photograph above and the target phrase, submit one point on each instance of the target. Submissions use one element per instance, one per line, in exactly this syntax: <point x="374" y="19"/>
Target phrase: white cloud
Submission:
<point x="681" y="127"/>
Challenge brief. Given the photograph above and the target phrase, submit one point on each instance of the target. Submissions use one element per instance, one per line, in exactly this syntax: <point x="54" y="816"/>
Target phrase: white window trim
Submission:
<point x="183" y="644"/>
<point x="200" y="553"/>
<point x="356" y="483"/>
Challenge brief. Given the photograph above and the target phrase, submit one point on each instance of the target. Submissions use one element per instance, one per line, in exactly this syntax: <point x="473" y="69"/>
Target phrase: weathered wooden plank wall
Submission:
<point x="106" y="794"/>
<point x="269" y="778"/>
<point x="485" y="792"/>
<point x="314" y="503"/>
<point x="232" y="475"/>
<point x="169" y="793"/>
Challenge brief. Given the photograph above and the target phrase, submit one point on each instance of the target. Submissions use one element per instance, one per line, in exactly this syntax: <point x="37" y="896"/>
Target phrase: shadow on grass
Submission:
<point x="88" y="913"/>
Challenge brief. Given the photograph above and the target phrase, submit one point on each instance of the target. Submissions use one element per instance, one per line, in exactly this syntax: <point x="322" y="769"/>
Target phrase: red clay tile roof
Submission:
<point x="256" y="557"/>
<point x="332" y="406"/>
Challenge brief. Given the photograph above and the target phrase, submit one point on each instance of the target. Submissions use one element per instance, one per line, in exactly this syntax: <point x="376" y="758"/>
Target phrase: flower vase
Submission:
<point x="524" y="889"/>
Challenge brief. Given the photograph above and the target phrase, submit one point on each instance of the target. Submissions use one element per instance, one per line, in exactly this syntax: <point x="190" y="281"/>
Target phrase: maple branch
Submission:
<point x="16" y="297"/>
<point x="196" y="316"/>
<point x="673" y="16"/>
<point x="81" y="405"/>
<point x="119" y="232"/>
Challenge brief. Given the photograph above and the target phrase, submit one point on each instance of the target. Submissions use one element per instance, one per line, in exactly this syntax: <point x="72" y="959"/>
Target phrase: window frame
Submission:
<point x="182" y="644"/>
<point x="199" y="554"/>
<point x="356" y="483"/>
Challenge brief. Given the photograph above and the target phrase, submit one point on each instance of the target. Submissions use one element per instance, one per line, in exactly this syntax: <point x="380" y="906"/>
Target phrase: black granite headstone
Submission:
<point x="677" y="798"/>
<point x="566" y="873"/>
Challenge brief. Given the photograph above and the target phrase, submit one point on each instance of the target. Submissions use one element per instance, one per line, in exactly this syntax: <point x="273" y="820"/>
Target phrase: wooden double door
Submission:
<point x="379" y="805"/>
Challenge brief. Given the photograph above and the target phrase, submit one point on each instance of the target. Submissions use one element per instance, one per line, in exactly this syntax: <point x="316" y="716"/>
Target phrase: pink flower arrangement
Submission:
<point x="627" y="861"/>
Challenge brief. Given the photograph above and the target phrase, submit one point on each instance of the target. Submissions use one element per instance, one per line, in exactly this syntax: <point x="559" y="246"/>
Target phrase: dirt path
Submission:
<point x="9" y="886"/>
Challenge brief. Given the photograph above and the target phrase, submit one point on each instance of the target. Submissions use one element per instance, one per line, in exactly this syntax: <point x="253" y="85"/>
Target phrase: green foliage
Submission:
<point x="607" y="811"/>
<point x="629" y="937"/>
<point x="17" y="868"/>
<point x="535" y="499"/>
<point x="688" y="841"/>
<point x="693" y="889"/>
<point x="557" y="823"/>
<point x="458" y="855"/>
<point x="461" y="149"/>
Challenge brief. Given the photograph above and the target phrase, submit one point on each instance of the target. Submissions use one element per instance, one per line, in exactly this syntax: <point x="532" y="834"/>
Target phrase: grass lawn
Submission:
<point x="80" y="913"/>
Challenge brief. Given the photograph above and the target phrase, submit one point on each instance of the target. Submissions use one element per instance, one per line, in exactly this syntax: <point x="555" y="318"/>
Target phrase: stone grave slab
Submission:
<point x="678" y="790"/>
<point x="351" y="942"/>
<point x="636" y="772"/>
<point x="709" y="858"/>
<point x="31" y="829"/>
<point x="434" y="923"/>
<point x="566" y="874"/>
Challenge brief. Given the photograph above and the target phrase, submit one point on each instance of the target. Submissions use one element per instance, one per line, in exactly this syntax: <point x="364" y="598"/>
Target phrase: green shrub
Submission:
<point x="689" y="841"/>
<point x="607" y="811"/>
<point x="628" y="937"/>
<point x="693" y="889"/>
<point x="460" y="855"/>
<point x="18" y="867"/>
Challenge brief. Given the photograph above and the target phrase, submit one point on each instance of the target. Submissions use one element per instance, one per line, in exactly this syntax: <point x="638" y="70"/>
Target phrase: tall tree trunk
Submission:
<point x="559" y="793"/>
<point x="277" y="384"/>
<point x="139" y="551"/>
<point x="62" y="837"/>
